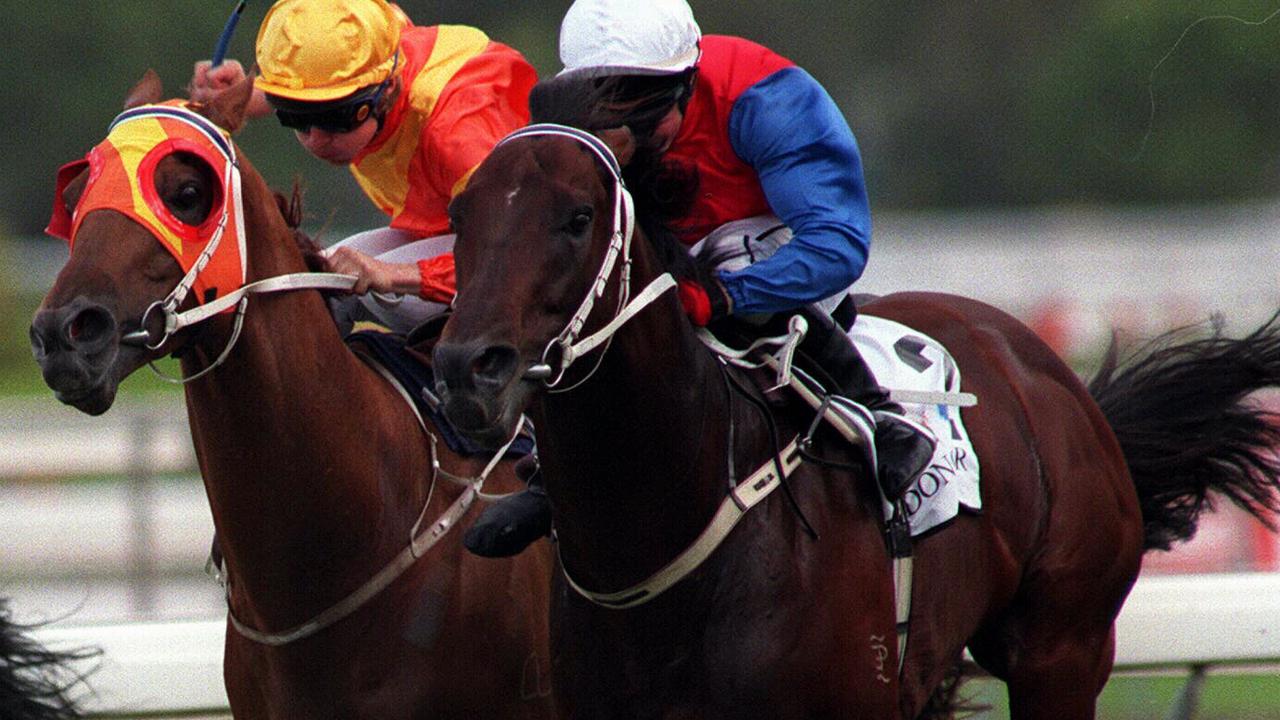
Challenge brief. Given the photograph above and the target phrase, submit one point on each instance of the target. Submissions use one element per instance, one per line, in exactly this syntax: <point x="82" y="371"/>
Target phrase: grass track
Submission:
<point x="1131" y="697"/>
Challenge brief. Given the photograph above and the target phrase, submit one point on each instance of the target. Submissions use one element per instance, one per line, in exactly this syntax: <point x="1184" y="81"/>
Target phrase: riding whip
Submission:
<point x="220" y="50"/>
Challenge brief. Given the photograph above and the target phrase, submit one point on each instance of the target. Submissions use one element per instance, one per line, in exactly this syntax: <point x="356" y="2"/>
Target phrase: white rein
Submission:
<point x="551" y="370"/>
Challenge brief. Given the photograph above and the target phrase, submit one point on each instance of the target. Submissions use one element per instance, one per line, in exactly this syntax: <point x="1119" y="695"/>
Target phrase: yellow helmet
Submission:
<point x="318" y="50"/>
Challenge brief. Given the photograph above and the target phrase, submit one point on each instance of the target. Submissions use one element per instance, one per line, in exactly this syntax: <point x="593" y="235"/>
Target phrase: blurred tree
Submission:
<point x="954" y="104"/>
<point x="1155" y="104"/>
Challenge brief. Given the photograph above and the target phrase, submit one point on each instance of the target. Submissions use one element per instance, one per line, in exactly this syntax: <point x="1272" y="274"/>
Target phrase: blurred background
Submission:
<point x="1087" y="165"/>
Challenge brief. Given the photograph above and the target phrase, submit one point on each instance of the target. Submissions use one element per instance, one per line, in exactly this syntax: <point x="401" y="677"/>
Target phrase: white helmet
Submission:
<point x="628" y="37"/>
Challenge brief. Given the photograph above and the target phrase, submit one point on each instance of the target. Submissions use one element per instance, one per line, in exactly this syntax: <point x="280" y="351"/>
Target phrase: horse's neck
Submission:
<point x="635" y="458"/>
<point x="288" y="431"/>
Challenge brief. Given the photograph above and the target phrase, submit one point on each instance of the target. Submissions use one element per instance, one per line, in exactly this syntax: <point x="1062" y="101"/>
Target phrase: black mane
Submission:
<point x="663" y="190"/>
<point x="35" y="683"/>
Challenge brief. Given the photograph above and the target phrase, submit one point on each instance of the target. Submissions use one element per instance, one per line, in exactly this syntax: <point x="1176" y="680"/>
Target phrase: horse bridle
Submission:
<point x="173" y="320"/>
<point x="565" y="348"/>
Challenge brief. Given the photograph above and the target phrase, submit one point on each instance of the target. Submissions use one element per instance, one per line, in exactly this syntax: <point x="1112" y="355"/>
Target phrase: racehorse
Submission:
<point x="35" y="682"/>
<point x="643" y="434"/>
<point x="322" y="483"/>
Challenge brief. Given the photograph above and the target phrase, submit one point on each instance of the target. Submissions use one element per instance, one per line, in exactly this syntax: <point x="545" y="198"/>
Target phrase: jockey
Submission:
<point x="760" y="137"/>
<point x="412" y="110"/>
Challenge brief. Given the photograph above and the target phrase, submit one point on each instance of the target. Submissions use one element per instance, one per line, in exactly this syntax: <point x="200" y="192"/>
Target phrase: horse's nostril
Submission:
<point x="494" y="366"/>
<point x="37" y="342"/>
<point x="89" y="327"/>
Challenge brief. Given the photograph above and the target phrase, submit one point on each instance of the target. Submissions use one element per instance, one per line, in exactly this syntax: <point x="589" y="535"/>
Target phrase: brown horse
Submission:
<point x="316" y="471"/>
<point x="642" y="437"/>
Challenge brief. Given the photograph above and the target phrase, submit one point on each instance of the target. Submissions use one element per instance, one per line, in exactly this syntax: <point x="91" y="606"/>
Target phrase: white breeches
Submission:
<point x="399" y="313"/>
<point x="734" y="246"/>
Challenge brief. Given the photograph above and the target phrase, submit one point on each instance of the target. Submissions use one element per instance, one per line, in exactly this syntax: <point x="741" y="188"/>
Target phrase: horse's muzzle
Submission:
<point x="76" y="346"/>
<point x="474" y="381"/>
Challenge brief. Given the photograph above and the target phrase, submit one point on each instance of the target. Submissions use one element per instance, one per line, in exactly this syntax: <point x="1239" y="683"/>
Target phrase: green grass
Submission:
<point x="19" y="374"/>
<point x="1132" y="697"/>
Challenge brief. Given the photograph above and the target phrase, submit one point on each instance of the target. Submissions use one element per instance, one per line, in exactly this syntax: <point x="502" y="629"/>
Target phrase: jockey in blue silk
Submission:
<point x="761" y="138"/>
<point x="766" y="138"/>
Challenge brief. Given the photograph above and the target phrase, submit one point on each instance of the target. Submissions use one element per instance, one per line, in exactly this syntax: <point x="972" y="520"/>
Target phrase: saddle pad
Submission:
<point x="388" y="350"/>
<point x="903" y="359"/>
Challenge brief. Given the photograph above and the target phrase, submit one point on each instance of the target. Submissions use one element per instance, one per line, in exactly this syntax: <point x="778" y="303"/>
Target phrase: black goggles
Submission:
<point x="341" y="116"/>
<point x="333" y="118"/>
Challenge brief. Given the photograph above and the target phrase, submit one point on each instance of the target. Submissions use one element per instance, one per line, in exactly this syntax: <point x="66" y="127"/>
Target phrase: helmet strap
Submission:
<point x="387" y="94"/>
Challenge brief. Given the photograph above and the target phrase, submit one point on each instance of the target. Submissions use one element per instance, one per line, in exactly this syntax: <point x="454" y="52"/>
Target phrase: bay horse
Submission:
<point x="642" y="435"/>
<point x="316" y="469"/>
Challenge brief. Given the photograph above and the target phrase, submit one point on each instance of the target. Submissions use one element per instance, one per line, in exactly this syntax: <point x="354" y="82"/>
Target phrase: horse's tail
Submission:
<point x="1181" y="412"/>
<point x="35" y="682"/>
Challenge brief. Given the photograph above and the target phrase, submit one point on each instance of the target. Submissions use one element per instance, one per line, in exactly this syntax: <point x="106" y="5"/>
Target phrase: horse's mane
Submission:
<point x="35" y="683"/>
<point x="291" y="209"/>
<point x="663" y="190"/>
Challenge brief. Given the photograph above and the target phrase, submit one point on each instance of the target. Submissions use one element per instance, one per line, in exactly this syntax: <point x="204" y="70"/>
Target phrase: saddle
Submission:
<point x="405" y="365"/>
<point x="917" y="373"/>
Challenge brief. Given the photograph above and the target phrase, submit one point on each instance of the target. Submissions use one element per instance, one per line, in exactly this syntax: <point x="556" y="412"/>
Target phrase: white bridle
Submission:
<point x="570" y="347"/>
<point x="239" y="298"/>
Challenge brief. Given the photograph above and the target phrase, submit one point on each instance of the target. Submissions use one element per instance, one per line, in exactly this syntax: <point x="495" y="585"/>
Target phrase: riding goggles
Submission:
<point x="340" y="116"/>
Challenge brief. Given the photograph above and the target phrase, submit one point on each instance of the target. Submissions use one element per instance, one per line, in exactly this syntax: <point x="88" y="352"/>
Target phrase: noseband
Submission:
<point x="551" y="371"/>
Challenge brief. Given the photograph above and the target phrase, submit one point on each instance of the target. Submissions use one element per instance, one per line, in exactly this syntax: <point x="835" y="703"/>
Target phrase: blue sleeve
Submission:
<point x="790" y="131"/>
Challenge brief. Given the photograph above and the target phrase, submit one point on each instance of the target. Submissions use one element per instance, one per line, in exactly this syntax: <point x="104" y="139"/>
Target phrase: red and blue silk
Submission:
<point x="766" y="137"/>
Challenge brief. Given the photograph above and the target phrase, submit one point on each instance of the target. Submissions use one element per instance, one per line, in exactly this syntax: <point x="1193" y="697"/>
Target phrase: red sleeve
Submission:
<point x="436" y="282"/>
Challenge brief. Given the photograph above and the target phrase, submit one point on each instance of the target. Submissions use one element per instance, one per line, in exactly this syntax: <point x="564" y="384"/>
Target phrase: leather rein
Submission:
<point x="421" y="537"/>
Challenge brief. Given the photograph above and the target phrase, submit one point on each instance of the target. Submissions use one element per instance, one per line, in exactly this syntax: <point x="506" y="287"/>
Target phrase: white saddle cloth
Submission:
<point x="904" y="359"/>
<point x="901" y="359"/>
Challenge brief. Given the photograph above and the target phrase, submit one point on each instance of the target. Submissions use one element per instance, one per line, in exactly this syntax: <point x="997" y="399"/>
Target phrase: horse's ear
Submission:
<point x="71" y="194"/>
<point x="227" y="108"/>
<point x="621" y="141"/>
<point x="291" y="205"/>
<point x="148" y="91"/>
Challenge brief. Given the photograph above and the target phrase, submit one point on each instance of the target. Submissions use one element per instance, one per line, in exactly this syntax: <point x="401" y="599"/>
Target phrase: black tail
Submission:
<point x="35" y="682"/>
<point x="1181" y="411"/>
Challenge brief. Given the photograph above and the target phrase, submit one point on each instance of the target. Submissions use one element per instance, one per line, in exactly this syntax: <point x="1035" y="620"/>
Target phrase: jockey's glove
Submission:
<point x="704" y="300"/>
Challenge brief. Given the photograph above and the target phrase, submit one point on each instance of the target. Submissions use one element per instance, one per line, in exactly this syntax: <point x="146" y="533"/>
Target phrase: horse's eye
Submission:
<point x="189" y="202"/>
<point x="188" y="185"/>
<point x="187" y="198"/>
<point x="580" y="222"/>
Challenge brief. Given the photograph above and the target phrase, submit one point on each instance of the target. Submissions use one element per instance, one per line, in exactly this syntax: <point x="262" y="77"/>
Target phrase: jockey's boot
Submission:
<point x="511" y="524"/>
<point x="904" y="448"/>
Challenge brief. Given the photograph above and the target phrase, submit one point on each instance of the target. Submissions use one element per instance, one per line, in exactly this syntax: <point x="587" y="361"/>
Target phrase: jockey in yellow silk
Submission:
<point x="412" y="110"/>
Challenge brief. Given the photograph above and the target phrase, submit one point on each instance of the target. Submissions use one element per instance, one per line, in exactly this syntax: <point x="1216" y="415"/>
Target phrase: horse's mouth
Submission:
<point x="90" y="402"/>
<point x="485" y="421"/>
<point x="88" y="386"/>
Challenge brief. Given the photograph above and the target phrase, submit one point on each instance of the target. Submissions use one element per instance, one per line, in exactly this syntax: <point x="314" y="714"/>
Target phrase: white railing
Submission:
<point x="1192" y="624"/>
<point x="124" y="542"/>
<point x="44" y="439"/>
<point x="1189" y="623"/>
<point x="148" y="669"/>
